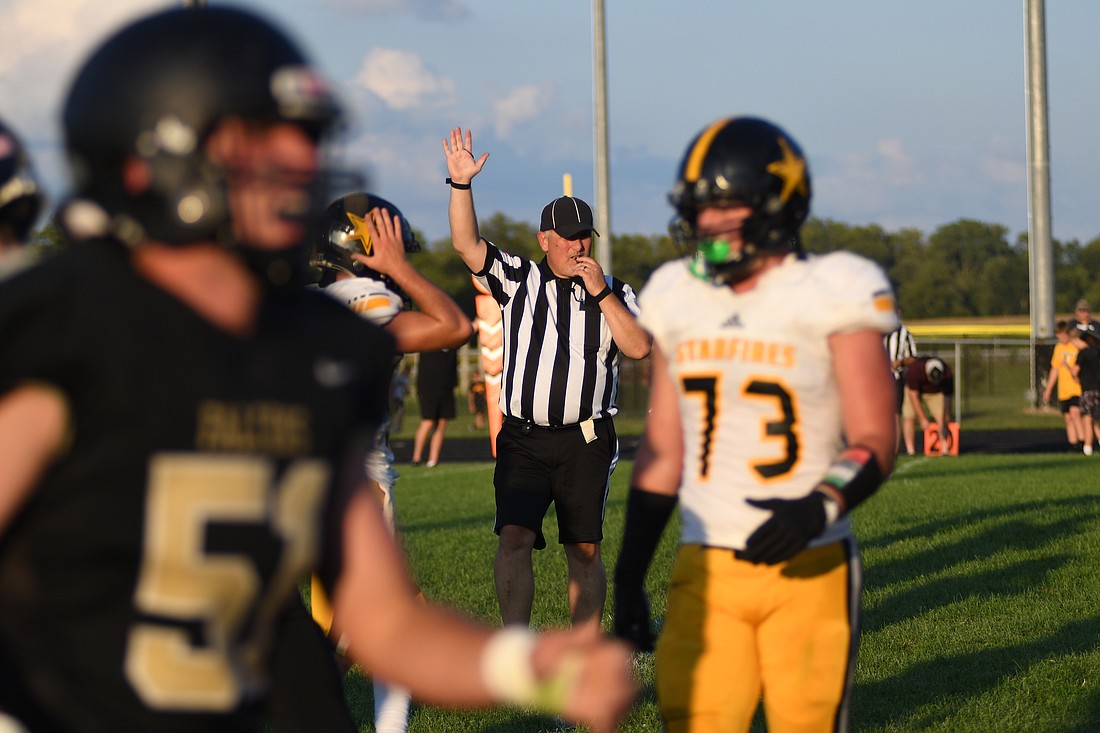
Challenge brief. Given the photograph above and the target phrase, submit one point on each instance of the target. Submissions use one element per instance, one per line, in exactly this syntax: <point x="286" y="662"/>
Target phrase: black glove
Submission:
<point x="632" y="617"/>
<point x="793" y="523"/>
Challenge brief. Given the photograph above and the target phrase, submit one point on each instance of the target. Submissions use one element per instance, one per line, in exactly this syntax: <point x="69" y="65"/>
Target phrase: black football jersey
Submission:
<point x="140" y="582"/>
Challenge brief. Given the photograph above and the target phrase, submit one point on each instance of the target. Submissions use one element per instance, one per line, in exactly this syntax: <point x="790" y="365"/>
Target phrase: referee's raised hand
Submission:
<point x="461" y="164"/>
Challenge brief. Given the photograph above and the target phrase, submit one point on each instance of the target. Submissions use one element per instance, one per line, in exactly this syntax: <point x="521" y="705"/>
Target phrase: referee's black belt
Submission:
<point x="532" y="425"/>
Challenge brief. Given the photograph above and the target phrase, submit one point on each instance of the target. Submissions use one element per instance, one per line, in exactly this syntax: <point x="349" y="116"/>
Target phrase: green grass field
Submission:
<point x="981" y="606"/>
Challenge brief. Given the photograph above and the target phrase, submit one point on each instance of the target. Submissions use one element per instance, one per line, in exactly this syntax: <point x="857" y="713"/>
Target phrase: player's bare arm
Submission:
<point x="33" y="425"/>
<point x="398" y="631"/>
<point x="659" y="461"/>
<point x="653" y="494"/>
<point x="866" y="393"/>
<point x="462" y="167"/>
<point x="439" y="323"/>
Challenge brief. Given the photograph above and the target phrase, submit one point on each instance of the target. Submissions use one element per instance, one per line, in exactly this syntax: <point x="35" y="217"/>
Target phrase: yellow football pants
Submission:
<point x="735" y="631"/>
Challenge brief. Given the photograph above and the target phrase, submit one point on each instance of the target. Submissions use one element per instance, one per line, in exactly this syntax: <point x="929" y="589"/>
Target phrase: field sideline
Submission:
<point x="982" y="598"/>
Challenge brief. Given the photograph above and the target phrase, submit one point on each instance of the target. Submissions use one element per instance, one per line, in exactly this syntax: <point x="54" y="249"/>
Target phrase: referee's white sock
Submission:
<point x="391" y="708"/>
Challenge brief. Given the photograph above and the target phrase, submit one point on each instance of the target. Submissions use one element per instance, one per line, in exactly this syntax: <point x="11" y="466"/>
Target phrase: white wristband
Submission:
<point x="506" y="665"/>
<point x="510" y="677"/>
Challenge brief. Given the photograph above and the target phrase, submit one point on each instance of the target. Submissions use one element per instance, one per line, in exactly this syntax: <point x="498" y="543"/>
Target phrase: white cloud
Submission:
<point x="402" y="80"/>
<point x="439" y="10"/>
<point x="1005" y="162"/>
<point x="1003" y="170"/>
<point x="869" y="184"/>
<point x="892" y="149"/>
<point x="44" y="42"/>
<point x="519" y="105"/>
<point x="893" y="164"/>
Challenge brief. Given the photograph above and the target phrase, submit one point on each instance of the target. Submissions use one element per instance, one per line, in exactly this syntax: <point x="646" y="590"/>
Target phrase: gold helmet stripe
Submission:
<point x="694" y="167"/>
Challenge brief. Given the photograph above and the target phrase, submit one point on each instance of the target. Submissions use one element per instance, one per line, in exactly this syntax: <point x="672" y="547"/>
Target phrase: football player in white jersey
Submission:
<point x="360" y="252"/>
<point x="363" y="265"/>
<point x="361" y="255"/>
<point x="771" y="416"/>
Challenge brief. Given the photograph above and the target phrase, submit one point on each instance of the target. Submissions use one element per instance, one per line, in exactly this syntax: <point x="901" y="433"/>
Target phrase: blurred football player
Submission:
<point x="771" y="417"/>
<point x="21" y="199"/>
<point x="184" y="426"/>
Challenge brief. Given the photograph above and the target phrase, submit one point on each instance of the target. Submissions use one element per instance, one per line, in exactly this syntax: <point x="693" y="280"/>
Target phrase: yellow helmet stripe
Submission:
<point x="694" y="167"/>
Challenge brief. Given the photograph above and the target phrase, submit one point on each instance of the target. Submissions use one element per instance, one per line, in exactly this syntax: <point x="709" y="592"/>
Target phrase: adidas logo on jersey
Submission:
<point x="733" y="321"/>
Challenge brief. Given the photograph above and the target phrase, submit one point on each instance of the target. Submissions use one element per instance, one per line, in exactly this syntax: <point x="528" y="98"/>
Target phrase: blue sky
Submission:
<point x="912" y="114"/>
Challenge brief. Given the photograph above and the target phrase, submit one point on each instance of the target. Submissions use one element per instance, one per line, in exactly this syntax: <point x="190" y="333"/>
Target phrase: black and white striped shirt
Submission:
<point x="899" y="345"/>
<point x="561" y="366"/>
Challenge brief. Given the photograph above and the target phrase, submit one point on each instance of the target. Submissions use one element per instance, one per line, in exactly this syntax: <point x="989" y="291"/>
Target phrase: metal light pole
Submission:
<point x="1040" y="250"/>
<point x="603" y="188"/>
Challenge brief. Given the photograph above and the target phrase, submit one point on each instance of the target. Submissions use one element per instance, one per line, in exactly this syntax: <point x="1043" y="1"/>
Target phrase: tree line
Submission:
<point x="962" y="269"/>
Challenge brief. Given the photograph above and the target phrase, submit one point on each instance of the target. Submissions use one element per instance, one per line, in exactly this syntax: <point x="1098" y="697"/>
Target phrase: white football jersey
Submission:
<point x="758" y="398"/>
<point x="372" y="300"/>
<point x="368" y="297"/>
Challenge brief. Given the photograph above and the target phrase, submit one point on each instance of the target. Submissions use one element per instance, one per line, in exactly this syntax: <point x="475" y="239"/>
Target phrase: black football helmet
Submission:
<point x="344" y="233"/>
<point x="742" y="161"/>
<point x="157" y="89"/>
<point x="21" y="196"/>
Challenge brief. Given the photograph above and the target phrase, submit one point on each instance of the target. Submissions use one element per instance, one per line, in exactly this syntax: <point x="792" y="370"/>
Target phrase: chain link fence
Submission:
<point x="997" y="380"/>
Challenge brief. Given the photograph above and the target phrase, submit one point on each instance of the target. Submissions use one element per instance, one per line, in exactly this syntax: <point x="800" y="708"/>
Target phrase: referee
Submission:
<point x="902" y="351"/>
<point x="566" y="324"/>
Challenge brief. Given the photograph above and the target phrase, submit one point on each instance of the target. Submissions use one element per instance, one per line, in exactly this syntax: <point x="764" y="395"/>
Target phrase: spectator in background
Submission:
<point x="1082" y="314"/>
<point x="435" y="388"/>
<point x="1087" y="370"/>
<point x="902" y="351"/>
<point x="477" y="403"/>
<point x="1062" y="366"/>
<point x="929" y="386"/>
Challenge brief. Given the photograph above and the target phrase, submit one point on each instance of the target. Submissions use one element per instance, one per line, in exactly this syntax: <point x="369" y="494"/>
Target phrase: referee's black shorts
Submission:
<point x="537" y="466"/>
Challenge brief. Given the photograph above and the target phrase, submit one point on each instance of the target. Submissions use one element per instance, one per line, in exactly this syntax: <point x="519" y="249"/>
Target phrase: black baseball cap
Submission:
<point x="568" y="217"/>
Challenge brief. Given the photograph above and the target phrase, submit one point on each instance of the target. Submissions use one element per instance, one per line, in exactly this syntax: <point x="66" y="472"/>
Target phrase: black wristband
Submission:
<point x="602" y="294"/>
<point x="459" y="186"/>
<point x="647" y="514"/>
<point x="852" y="477"/>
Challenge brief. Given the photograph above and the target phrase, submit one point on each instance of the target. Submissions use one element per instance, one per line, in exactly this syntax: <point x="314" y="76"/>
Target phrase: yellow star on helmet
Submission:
<point x="361" y="232"/>
<point x="792" y="169"/>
